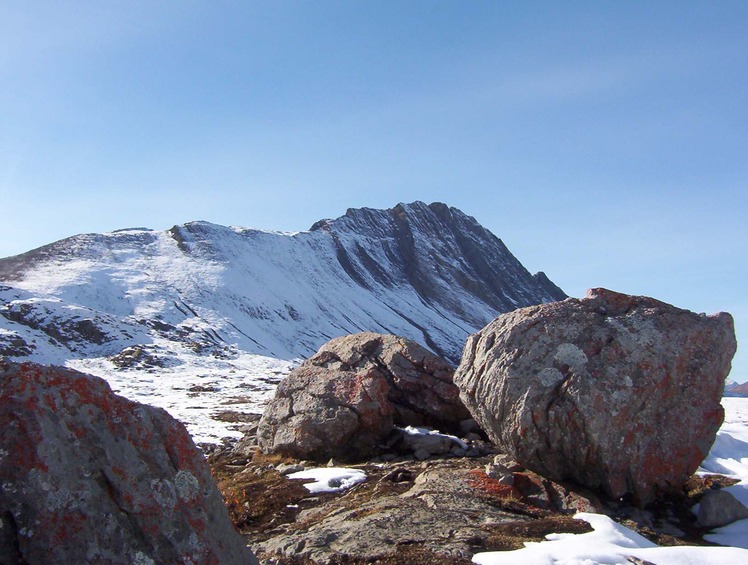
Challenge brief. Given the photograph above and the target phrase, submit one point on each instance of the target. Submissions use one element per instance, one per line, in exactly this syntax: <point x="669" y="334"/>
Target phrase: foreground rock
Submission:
<point x="90" y="477"/>
<point x="719" y="508"/>
<point x="616" y="392"/>
<point x="344" y="401"/>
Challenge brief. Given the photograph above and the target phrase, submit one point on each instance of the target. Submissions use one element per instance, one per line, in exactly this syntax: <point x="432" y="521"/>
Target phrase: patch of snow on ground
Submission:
<point x="413" y="431"/>
<point x="330" y="479"/>
<point x="609" y="544"/>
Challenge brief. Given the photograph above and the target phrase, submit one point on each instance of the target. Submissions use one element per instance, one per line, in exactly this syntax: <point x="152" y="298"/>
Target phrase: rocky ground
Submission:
<point x="443" y="509"/>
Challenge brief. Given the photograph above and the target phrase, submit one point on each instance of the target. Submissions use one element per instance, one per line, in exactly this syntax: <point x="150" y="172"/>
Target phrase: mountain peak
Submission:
<point x="210" y="301"/>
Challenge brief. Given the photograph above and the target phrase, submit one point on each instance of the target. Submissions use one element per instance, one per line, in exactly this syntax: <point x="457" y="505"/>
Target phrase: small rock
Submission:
<point x="496" y="471"/>
<point x="421" y="454"/>
<point x="287" y="469"/>
<point x="469" y="425"/>
<point x="719" y="508"/>
<point x="506" y="461"/>
<point x="507" y="479"/>
<point x="399" y="476"/>
<point x="532" y="489"/>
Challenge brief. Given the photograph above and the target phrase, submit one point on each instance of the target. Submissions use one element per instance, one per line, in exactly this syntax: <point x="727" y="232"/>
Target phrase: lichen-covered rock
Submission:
<point x="616" y="392"/>
<point x="345" y="400"/>
<point x="90" y="477"/>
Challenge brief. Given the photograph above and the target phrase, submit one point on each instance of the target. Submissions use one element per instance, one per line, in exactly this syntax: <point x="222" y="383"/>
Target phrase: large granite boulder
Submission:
<point x="91" y="477"/>
<point x="616" y="392"/>
<point x="345" y="400"/>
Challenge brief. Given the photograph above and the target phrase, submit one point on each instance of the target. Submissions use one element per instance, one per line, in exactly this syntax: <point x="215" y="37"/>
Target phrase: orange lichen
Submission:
<point x="492" y="487"/>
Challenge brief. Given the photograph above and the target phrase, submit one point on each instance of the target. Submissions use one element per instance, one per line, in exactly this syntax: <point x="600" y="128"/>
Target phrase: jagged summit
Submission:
<point x="201" y="295"/>
<point x="428" y="271"/>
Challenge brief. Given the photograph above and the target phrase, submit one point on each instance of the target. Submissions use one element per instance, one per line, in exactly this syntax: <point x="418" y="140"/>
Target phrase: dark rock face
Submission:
<point x="443" y="254"/>
<point x="90" y="477"/>
<point x="616" y="392"/>
<point x="346" y="399"/>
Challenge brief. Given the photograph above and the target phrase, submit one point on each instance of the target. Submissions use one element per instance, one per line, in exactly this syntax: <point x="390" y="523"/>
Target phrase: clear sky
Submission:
<point x="605" y="142"/>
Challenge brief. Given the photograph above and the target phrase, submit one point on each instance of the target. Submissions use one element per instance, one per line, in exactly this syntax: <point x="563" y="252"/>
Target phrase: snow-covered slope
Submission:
<point x="209" y="304"/>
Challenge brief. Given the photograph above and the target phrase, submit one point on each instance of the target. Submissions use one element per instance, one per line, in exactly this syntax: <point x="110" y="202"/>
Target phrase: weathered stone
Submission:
<point x="505" y="461"/>
<point x="439" y="511"/>
<point x="469" y="426"/>
<point x="718" y="508"/>
<point x="136" y="357"/>
<point x="90" y="477"/>
<point x="345" y="400"/>
<point x="500" y="473"/>
<point x="288" y="469"/>
<point x="615" y="392"/>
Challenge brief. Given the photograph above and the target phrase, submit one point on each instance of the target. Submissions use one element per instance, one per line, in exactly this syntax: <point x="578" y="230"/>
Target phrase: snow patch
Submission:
<point x="330" y="479"/>
<point x="610" y="544"/>
<point x="414" y="431"/>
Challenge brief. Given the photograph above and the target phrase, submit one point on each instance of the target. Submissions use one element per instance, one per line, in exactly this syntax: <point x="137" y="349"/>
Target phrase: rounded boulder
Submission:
<point x="618" y="393"/>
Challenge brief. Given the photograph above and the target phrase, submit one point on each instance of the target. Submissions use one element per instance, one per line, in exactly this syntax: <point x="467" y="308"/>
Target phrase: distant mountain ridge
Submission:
<point x="428" y="272"/>
<point x="204" y="320"/>
<point x="735" y="389"/>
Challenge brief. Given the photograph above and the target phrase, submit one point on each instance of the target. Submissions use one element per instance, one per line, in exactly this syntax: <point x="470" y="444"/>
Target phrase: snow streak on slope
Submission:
<point x="148" y="309"/>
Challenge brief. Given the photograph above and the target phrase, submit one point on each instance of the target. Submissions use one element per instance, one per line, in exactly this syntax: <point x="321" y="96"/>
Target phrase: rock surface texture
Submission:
<point x="90" y="477"/>
<point x="618" y="393"/>
<point x="718" y="508"/>
<point x="345" y="400"/>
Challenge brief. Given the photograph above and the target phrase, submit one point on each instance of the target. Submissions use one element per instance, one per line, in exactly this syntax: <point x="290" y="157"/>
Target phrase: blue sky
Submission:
<point x="605" y="142"/>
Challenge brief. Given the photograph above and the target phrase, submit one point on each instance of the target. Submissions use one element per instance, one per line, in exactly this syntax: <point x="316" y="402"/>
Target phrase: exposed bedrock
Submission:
<point x="618" y="393"/>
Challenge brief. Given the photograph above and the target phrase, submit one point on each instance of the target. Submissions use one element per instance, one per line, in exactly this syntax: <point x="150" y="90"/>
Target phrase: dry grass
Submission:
<point x="257" y="497"/>
<point x="513" y="535"/>
<point x="415" y="554"/>
<point x="698" y="485"/>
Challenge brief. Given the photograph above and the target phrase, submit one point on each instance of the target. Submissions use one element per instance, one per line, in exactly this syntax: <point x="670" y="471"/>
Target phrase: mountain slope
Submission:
<point x="733" y="388"/>
<point x="206" y="296"/>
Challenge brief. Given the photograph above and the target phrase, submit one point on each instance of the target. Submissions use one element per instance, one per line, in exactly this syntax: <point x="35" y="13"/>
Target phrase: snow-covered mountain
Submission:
<point x="212" y="305"/>
<point x="733" y="388"/>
